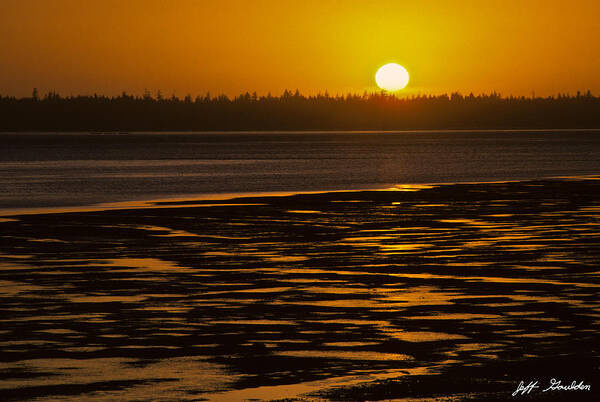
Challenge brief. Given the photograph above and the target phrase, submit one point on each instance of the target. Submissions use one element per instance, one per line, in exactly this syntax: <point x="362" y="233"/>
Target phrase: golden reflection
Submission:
<point x="343" y="354"/>
<point x="472" y="222"/>
<point x="303" y="211"/>
<point x="376" y="241"/>
<point x="171" y="308"/>
<point x="540" y="334"/>
<point x="106" y="299"/>
<point x="396" y="229"/>
<point x="47" y="240"/>
<point x="349" y="344"/>
<point x="475" y="347"/>
<point x="355" y="322"/>
<point x="478" y="243"/>
<point x="84" y="349"/>
<point x="16" y="256"/>
<point x="416" y="296"/>
<point x="520" y="313"/>
<point x="336" y="290"/>
<point x="399" y="248"/>
<point x="254" y="322"/>
<point x="268" y="256"/>
<point x="498" y="279"/>
<point x="115" y="206"/>
<point x="97" y="317"/>
<point x="486" y="356"/>
<point x="289" y="258"/>
<point x="511" y="237"/>
<point x="288" y="271"/>
<point x="341" y="303"/>
<point x="263" y="290"/>
<point x="12" y="289"/>
<point x="292" y="391"/>
<point x="410" y="187"/>
<point x="523" y="247"/>
<point x="469" y="263"/>
<point x="455" y="316"/>
<point x="218" y="254"/>
<point x="591" y="209"/>
<point x="59" y="331"/>
<point x="420" y="336"/>
<point x="366" y="240"/>
<point x="558" y="258"/>
<point x="178" y="233"/>
<point x="146" y="265"/>
<point x="186" y="372"/>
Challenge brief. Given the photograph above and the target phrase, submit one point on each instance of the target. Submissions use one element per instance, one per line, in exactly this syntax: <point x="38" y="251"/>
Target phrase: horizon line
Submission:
<point x="158" y="95"/>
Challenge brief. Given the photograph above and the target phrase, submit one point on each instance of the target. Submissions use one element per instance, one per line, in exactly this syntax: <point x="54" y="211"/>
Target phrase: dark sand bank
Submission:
<point x="456" y="291"/>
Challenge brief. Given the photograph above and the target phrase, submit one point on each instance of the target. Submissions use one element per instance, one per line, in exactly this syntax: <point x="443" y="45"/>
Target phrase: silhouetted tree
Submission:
<point x="293" y="111"/>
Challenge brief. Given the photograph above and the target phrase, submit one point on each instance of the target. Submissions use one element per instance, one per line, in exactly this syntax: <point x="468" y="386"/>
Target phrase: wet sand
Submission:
<point x="452" y="291"/>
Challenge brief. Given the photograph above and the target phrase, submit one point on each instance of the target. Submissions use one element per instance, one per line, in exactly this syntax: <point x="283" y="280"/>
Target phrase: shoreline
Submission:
<point x="200" y="199"/>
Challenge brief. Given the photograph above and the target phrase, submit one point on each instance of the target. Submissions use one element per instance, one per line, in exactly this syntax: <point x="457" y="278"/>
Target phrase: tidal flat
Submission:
<point x="456" y="291"/>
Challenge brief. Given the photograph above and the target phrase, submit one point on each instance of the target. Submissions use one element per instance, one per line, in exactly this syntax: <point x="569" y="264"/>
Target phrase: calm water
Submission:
<point x="49" y="169"/>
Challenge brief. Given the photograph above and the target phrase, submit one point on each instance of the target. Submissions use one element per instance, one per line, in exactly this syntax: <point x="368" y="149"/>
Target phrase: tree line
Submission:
<point x="294" y="111"/>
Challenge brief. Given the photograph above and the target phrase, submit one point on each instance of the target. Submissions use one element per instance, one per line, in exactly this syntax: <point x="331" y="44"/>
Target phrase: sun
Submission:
<point x="391" y="77"/>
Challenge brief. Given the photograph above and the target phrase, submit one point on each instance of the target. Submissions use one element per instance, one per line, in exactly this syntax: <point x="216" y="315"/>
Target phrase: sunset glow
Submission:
<point x="234" y="46"/>
<point x="392" y="77"/>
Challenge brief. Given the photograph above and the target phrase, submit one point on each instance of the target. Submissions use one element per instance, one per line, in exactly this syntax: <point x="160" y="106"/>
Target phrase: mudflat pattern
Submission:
<point x="445" y="290"/>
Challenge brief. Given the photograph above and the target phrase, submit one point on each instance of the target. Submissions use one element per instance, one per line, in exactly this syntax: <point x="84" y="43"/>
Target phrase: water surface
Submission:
<point x="60" y="169"/>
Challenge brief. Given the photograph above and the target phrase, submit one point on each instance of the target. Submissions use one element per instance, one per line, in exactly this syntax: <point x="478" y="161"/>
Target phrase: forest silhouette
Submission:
<point x="294" y="111"/>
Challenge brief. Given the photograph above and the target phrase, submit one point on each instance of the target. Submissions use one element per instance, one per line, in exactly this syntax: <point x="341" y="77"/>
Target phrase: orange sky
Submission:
<point x="233" y="46"/>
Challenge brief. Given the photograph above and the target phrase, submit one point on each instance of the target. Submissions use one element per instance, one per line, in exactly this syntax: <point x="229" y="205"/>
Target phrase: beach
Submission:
<point x="456" y="291"/>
